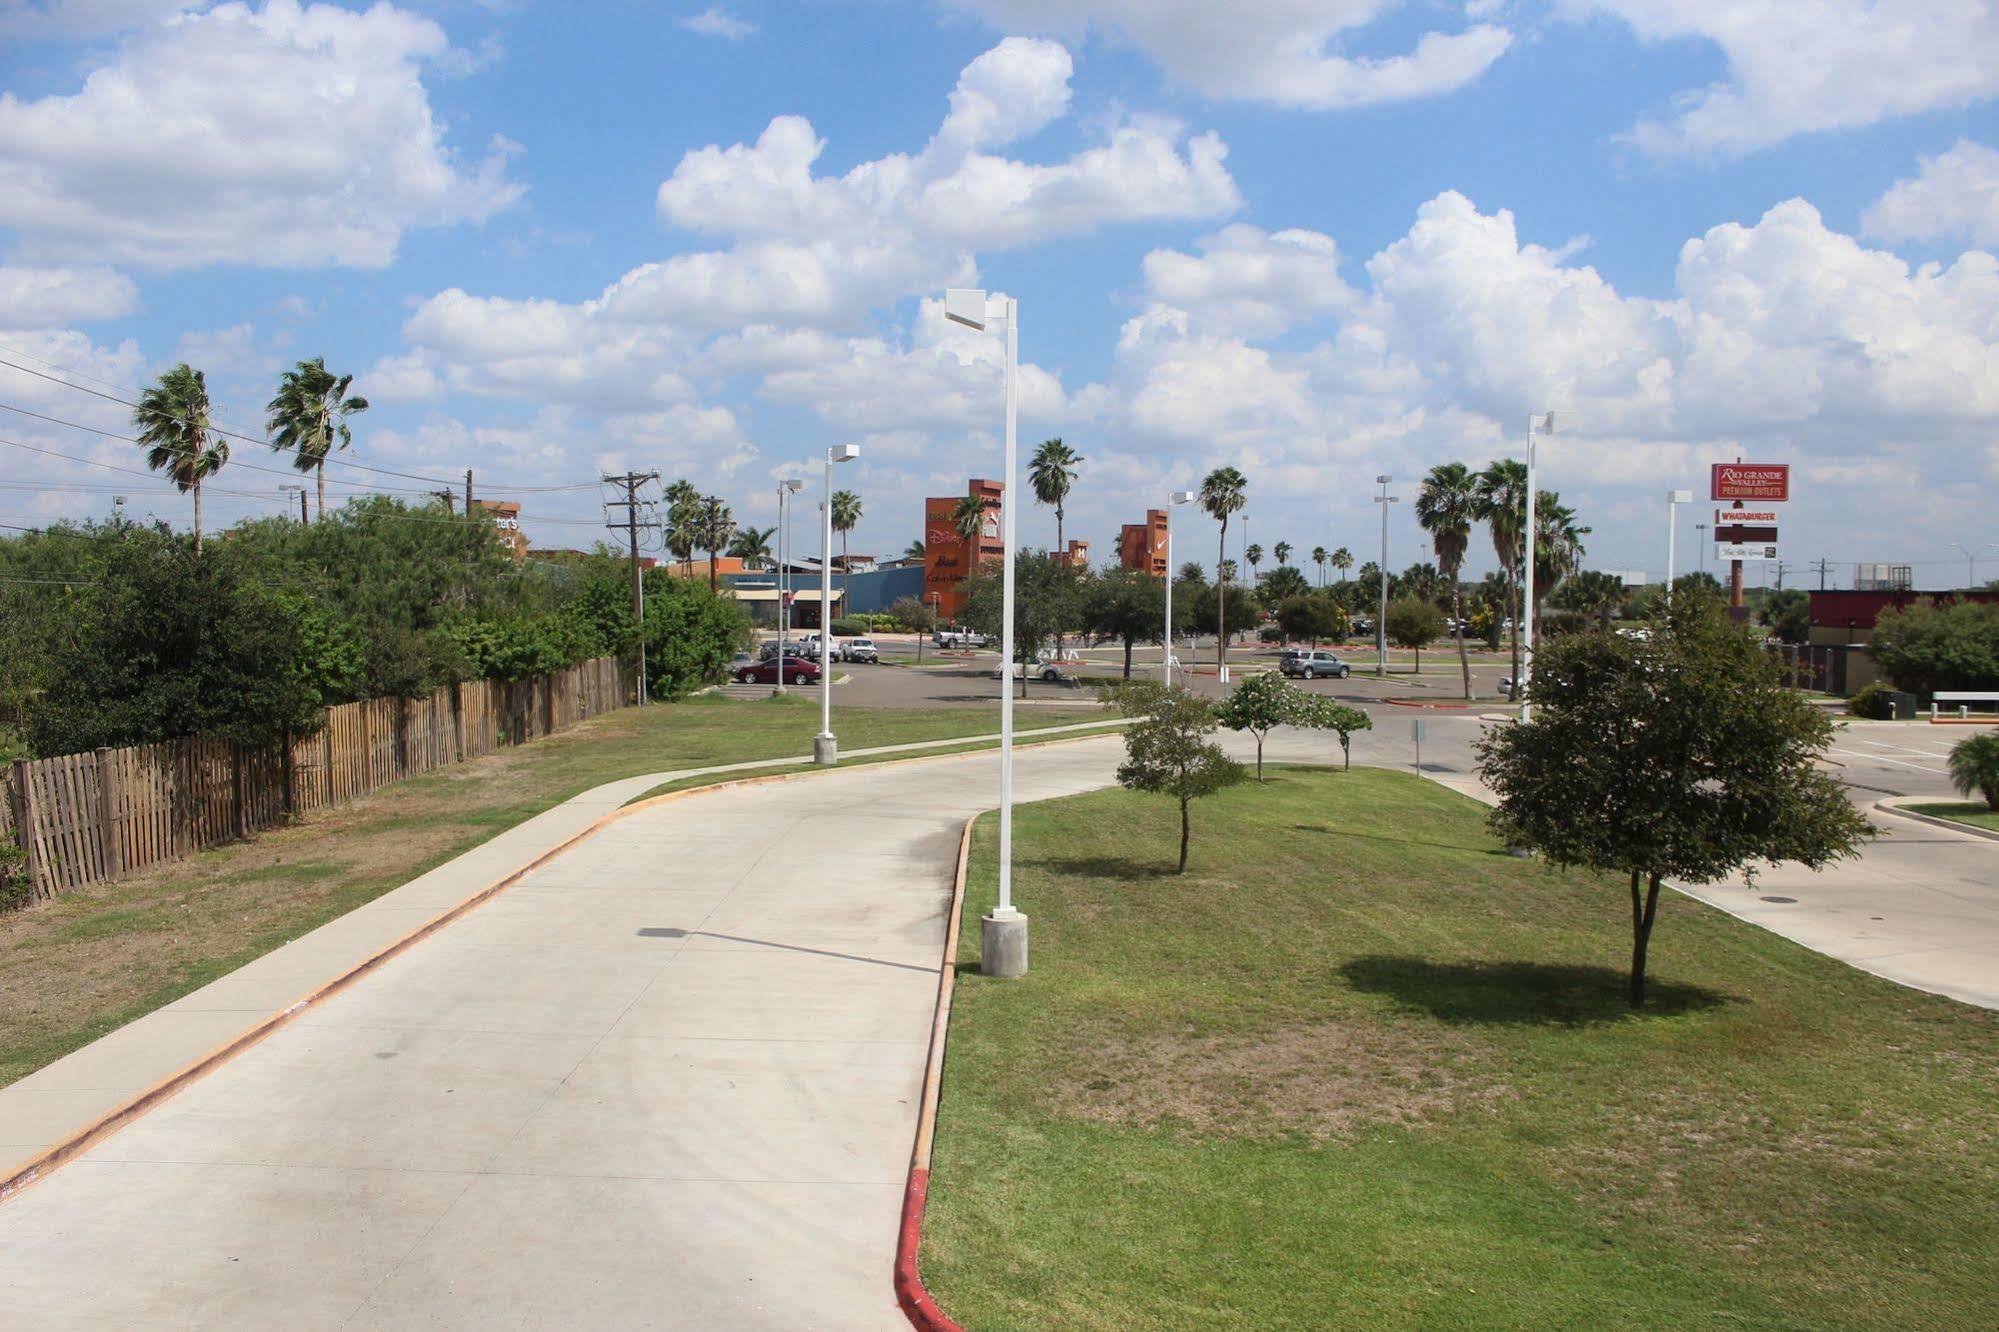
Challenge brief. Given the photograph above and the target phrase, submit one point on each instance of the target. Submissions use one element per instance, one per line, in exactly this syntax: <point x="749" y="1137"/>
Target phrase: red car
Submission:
<point x="797" y="670"/>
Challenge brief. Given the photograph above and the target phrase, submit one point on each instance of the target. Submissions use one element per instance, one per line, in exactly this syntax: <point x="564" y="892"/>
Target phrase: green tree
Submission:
<point x="1254" y="555"/>
<point x="308" y="417"/>
<point x="1502" y="506"/>
<point x="1446" y="507"/>
<point x="846" y="516"/>
<point x="1320" y="713"/>
<point x="1926" y="647"/>
<point x="172" y="419"/>
<point x="1788" y="615"/>
<point x="1191" y="572"/>
<point x="717" y="527"/>
<point x="1342" y="560"/>
<point x="1414" y="623"/>
<point x="915" y="615"/>
<point x="1558" y="550"/>
<point x="1221" y="495"/>
<point x="1594" y="595"/>
<point x="1259" y="704"/>
<point x="1685" y="757"/>
<point x="1974" y="767"/>
<point x="1128" y="605"/>
<point x="751" y="545"/>
<point x="1051" y="474"/>
<point x="916" y="550"/>
<point x="1312" y="617"/>
<point x="1319" y="558"/>
<point x="1282" y="553"/>
<point x="1283" y="583"/>
<point x="1167" y="752"/>
<point x="1046" y="603"/>
<point x="1423" y="582"/>
<point x="685" y="507"/>
<point x="692" y="633"/>
<point x="969" y="517"/>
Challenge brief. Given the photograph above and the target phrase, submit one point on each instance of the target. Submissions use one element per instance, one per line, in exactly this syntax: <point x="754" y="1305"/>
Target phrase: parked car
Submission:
<point x="1312" y="663"/>
<point x="859" y="649"/>
<point x="1040" y="668"/>
<point x="808" y="647"/>
<point x="797" y="670"/>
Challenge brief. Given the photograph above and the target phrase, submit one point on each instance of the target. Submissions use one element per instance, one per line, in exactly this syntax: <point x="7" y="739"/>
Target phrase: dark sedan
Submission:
<point x="797" y="670"/>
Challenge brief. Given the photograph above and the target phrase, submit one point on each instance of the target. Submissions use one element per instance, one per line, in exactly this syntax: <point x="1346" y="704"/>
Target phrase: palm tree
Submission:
<point x="1319" y="558"/>
<point x="1221" y="495"/>
<point x="1343" y="561"/>
<point x="1255" y="557"/>
<point x="1446" y="507"/>
<point x="1228" y="571"/>
<point x="916" y="550"/>
<point x="1282" y="550"/>
<point x="846" y="513"/>
<point x="1502" y="506"/>
<point x="172" y="421"/>
<point x="1051" y="473"/>
<point x="1558" y="544"/>
<point x="683" y="523"/>
<point x="309" y="415"/>
<point x="1192" y="572"/>
<point x="716" y="526"/>
<point x="752" y="546"/>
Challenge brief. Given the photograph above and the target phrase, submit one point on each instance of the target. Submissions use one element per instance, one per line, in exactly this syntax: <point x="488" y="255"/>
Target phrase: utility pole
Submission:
<point x="1824" y="567"/>
<point x="1781" y="566"/>
<point x="468" y="492"/>
<point x="629" y="483"/>
<point x="447" y="495"/>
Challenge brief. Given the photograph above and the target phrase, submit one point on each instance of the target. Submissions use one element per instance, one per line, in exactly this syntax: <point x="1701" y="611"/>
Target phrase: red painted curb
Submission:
<point x="916" y="1302"/>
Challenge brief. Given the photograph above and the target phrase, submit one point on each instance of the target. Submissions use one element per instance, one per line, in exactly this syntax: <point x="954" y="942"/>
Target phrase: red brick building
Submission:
<point x="948" y="558"/>
<point x="1142" y="546"/>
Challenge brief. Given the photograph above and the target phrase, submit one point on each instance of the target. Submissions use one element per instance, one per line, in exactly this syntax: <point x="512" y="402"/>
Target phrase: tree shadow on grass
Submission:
<point x="1520" y="993"/>
<point x="1108" y="867"/>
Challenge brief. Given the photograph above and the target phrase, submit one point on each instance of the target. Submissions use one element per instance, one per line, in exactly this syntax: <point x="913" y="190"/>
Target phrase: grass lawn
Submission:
<point x="1359" y="1068"/>
<point x="92" y="960"/>
<point x="1977" y="813"/>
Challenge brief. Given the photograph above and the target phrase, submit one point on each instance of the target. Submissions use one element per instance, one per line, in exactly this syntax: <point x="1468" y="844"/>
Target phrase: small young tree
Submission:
<point x="1168" y="752"/>
<point x="1259" y="704"/>
<point x="1319" y="713"/>
<point x="1414" y="623"/>
<point x="1684" y="757"/>
<point x="1974" y="767"/>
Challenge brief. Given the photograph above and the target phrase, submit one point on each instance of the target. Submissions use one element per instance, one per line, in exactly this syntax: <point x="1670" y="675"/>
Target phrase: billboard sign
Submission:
<point x="1767" y="482"/>
<point x="1746" y="552"/>
<point x="1745" y="534"/>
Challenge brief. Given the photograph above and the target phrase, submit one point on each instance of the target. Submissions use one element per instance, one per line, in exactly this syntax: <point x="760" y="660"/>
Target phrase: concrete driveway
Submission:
<point x="668" y="1080"/>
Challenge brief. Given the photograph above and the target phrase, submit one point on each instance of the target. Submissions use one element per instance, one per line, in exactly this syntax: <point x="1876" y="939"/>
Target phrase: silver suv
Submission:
<point x="1311" y="663"/>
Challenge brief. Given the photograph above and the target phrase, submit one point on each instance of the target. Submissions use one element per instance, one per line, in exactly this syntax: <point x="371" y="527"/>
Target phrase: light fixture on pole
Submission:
<point x="1700" y="547"/>
<point x="826" y="750"/>
<point x="1384" y="499"/>
<point x="301" y="501"/>
<point x="1003" y="934"/>
<point x="1971" y="560"/>
<point x="1166" y="654"/>
<point x="1542" y="425"/>
<point x="1674" y="499"/>
<point x="786" y="488"/>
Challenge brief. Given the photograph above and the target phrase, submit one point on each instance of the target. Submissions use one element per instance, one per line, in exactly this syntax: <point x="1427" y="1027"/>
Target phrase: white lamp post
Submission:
<point x="1003" y="934"/>
<point x="825" y="750"/>
<point x="786" y="488"/>
<point x="1384" y="499"/>
<point x="1166" y="661"/>
<point x="1543" y="425"/>
<point x="1674" y="499"/>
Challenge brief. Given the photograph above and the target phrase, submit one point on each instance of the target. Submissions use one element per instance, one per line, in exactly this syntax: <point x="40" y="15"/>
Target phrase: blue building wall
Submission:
<point x="865" y="593"/>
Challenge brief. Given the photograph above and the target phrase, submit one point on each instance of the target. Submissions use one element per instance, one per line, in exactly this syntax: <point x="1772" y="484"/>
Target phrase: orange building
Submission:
<point x="948" y="558"/>
<point x="1143" y="545"/>
<point x="1077" y="557"/>
<point x="507" y="517"/>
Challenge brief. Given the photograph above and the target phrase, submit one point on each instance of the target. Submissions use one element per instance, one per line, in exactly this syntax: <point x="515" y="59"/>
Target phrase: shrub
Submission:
<point x="853" y="626"/>
<point x="15" y="890"/>
<point x="1974" y="767"/>
<point x="1872" y="703"/>
<point x="1925" y="647"/>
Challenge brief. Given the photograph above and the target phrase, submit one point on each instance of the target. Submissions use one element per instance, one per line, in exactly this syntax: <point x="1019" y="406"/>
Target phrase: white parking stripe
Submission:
<point x="1883" y="758"/>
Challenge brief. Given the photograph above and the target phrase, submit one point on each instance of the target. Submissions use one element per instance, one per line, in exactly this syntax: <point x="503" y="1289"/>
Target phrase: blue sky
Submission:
<point x="1317" y="239"/>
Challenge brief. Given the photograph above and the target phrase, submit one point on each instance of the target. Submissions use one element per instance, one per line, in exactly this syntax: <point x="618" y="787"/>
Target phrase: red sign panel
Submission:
<point x="1769" y="482"/>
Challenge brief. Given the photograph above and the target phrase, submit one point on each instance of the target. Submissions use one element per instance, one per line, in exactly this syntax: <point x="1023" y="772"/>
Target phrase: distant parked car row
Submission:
<point x="960" y="638"/>
<point x="1313" y="664"/>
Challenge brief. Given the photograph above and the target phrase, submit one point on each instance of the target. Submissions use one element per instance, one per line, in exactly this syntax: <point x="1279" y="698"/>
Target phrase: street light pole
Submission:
<point x="825" y="749"/>
<point x="1384" y="499"/>
<point x="1545" y="426"/>
<point x="1674" y="498"/>
<point x="1700" y="546"/>
<point x="1003" y="934"/>
<point x="786" y="488"/>
<point x="1166" y="656"/>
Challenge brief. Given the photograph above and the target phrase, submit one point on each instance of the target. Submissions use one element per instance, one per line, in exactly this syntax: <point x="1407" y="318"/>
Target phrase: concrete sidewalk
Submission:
<point x="668" y="1079"/>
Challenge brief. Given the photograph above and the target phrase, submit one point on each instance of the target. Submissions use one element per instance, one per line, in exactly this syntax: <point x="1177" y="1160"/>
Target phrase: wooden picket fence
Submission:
<point x="86" y="818"/>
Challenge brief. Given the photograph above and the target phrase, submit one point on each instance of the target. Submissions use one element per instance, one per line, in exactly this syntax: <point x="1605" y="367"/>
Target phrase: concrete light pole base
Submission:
<point x="825" y="750"/>
<point x="1003" y="946"/>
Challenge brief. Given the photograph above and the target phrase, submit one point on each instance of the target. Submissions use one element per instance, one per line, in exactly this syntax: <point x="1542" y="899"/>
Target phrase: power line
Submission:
<point x="630" y="483"/>
<point x="231" y="434"/>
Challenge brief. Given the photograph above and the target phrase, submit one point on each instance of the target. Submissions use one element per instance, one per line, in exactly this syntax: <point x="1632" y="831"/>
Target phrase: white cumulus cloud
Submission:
<point x="278" y="137"/>
<point x="50" y="297"/>
<point x="1954" y="194"/>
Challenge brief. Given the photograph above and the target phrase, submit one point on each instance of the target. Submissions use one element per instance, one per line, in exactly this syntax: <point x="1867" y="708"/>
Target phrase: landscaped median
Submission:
<point x="1359" y="1067"/>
